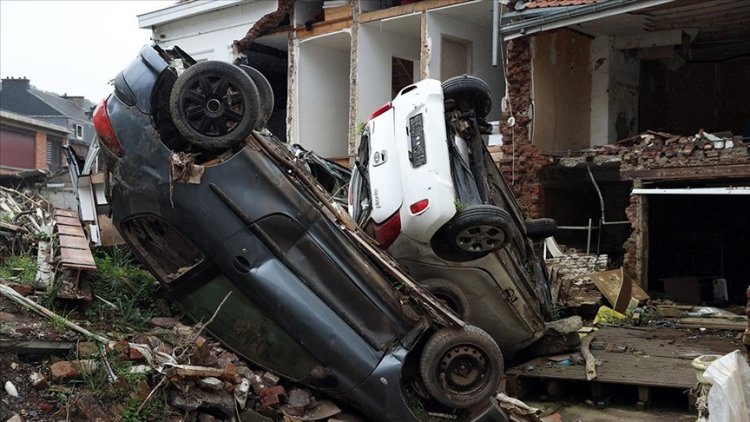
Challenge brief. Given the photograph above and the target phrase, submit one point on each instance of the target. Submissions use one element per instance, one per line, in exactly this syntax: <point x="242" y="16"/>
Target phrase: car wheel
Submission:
<point x="449" y="294"/>
<point x="461" y="367"/>
<point x="265" y="94"/>
<point x="469" y="93"/>
<point x="214" y="105"/>
<point x="540" y="228"/>
<point x="473" y="233"/>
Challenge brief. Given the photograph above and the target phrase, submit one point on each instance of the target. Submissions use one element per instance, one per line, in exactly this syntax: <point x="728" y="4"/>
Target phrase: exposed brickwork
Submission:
<point x="521" y="162"/>
<point x="519" y="92"/>
<point x="521" y="165"/>
<point x="41" y="150"/>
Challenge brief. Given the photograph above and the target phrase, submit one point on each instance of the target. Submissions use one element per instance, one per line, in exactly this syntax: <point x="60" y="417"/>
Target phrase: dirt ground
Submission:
<point x="575" y="412"/>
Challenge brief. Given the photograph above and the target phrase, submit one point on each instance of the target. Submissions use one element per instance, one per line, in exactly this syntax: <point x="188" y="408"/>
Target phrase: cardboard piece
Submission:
<point x="610" y="283"/>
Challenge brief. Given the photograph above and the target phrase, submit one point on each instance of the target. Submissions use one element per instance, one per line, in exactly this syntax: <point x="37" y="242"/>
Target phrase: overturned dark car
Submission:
<point x="212" y="203"/>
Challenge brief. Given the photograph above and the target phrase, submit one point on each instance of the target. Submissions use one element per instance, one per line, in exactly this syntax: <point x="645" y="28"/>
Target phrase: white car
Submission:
<point x="414" y="174"/>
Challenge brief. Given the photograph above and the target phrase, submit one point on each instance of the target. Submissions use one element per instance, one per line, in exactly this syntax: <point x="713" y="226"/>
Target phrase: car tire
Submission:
<point x="448" y="293"/>
<point x="473" y="233"/>
<point x="461" y="366"/>
<point x="265" y="95"/>
<point x="540" y="228"/>
<point x="469" y="93"/>
<point x="222" y="118"/>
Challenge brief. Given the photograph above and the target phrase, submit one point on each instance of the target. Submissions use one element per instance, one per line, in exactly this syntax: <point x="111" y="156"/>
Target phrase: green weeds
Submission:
<point x="21" y="268"/>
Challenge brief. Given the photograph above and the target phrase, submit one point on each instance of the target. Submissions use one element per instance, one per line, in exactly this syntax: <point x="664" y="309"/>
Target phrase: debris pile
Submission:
<point x="170" y="363"/>
<point x="24" y="219"/>
<point x="659" y="150"/>
<point x="570" y="279"/>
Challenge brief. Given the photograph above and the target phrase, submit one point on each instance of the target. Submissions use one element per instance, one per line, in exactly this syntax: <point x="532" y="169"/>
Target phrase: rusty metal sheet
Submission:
<point x="77" y="258"/>
<point x="67" y="221"/>
<point x="65" y="213"/>
<point x="70" y="231"/>
<point x="74" y="242"/>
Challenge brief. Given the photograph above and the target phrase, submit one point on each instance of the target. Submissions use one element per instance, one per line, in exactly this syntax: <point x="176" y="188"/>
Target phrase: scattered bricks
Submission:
<point x="256" y="383"/>
<point x="25" y="331"/>
<point x="297" y="401"/>
<point x="711" y="154"/>
<point x="120" y="347"/>
<point x="211" y="383"/>
<point x="270" y="379"/>
<point x="24" y="289"/>
<point x="66" y="370"/>
<point x="46" y="407"/>
<point x="87" y="349"/>
<point x="271" y="396"/>
<point x="88" y="405"/>
<point x="229" y="372"/>
<point x="7" y="317"/>
<point x="135" y="354"/>
<point x="38" y="381"/>
<point x="163" y="322"/>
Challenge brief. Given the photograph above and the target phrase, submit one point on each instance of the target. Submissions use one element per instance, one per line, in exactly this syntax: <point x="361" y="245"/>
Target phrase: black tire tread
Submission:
<point x="442" y="242"/>
<point x="438" y="286"/>
<point x="469" y="92"/>
<point x="265" y="95"/>
<point x="540" y="228"/>
<point x="251" y="105"/>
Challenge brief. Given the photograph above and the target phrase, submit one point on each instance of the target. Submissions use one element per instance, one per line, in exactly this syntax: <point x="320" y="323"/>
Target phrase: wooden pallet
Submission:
<point x="659" y="357"/>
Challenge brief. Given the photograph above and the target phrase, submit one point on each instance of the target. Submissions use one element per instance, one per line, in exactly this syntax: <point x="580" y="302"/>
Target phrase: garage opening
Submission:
<point x="698" y="251"/>
<point x="571" y="198"/>
<point x="269" y="55"/>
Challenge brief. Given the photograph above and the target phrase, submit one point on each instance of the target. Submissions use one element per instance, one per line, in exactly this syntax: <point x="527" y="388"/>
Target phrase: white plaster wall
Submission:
<point x="322" y="98"/>
<point x="210" y="35"/>
<point x="615" y="79"/>
<point x="376" y="49"/>
<point x="481" y="38"/>
<point x="623" y="93"/>
<point x="600" y="64"/>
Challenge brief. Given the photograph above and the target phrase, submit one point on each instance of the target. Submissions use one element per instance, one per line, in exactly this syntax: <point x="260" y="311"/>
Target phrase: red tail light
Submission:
<point x="385" y="107"/>
<point x="387" y="232"/>
<point x="419" y="206"/>
<point x="104" y="129"/>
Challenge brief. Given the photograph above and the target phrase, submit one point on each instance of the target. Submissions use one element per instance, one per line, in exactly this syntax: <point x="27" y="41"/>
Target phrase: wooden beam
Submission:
<point x="406" y="9"/>
<point x="424" y="52"/>
<point x="649" y="39"/>
<point x="733" y="171"/>
<point x="322" y="28"/>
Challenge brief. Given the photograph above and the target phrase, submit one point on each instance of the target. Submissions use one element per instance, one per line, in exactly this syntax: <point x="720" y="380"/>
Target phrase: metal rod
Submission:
<point x="588" y="239"/>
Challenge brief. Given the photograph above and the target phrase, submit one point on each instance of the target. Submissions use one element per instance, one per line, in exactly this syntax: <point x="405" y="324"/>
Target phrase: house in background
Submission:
<point x="333" y="63"/>
<point x="610" y="100"/>
<point x="19" y="97"/>
<point x="30" y="144"/>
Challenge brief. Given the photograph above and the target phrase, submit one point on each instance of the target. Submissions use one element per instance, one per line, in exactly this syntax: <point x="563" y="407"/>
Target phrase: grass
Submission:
<point x="122" y="282"/>
<point x="21" y="268"/>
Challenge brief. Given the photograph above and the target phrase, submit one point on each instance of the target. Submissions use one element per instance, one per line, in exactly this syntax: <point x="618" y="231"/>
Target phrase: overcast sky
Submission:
<point x="73" y="47"/>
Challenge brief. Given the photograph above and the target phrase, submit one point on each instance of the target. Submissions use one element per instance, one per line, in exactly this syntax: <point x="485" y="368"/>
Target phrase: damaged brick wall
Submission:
<point x="521" y="162"/>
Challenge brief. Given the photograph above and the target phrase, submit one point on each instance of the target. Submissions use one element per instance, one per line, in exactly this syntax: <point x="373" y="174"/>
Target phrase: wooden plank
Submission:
<point x="610" y="284"/>
<point x="424" y="49"/>
<point x="74" y="242"/>
<point x="322" y="28"/>
<point x="406" y="9"/>
<point x="657" y="357"/>
<point x="67" y="221"/>
<point x="65" y="213"/>
<point x="736" y="324"/>
<point x="70" y="231"/>
<point x="77" y="258"/>
<point x="691" y="172"/>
